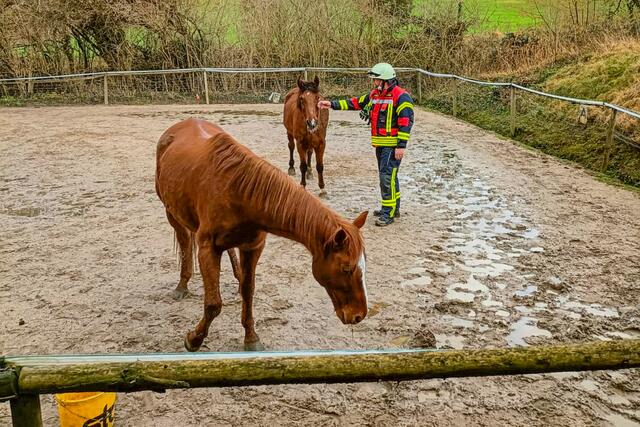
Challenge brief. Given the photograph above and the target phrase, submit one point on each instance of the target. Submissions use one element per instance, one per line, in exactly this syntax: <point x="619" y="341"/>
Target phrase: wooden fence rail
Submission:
<point x="23" y="378"/>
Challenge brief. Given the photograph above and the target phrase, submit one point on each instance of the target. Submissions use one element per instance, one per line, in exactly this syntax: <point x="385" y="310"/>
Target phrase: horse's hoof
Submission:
<point x="292" y="172"/>
<point x="253" y="346"/>
<point x="179" y="294"/>
<point x="323" y="194"/>
<point x="189" y="343"/>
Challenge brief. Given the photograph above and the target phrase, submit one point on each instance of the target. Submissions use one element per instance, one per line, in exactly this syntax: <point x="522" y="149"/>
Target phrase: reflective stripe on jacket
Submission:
<point x="391" y="114"/>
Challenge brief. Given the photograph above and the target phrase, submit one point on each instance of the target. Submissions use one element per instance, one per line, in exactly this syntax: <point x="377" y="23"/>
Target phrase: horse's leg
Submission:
<point x="320" y="169"/>
<point x="248" y="261"/>
<point x="185" y="241"/>
<point x="309" y="167"/>
<point x="292" y="145"/>
<point x="209" y="261"/>
<point x="303" y="162"/>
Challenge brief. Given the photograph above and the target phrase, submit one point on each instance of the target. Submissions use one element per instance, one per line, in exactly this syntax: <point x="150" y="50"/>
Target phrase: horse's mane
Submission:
<point x="254" y="180"/>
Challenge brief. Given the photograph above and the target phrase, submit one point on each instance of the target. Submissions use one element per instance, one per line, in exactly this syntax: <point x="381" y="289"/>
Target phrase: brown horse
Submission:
<point x="306" y="129"/>
<point x="218" y="195"/>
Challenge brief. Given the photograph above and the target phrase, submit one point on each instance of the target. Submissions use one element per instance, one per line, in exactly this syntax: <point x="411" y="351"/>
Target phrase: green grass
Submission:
<point x="494" y="15"/>
<point x="552" y="126"/>
<point x="503" y="15"/>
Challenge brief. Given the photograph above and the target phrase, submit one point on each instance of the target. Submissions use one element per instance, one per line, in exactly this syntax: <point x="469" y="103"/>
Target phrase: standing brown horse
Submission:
<point x="221" y="196"/>
<point x="306" y="129"/>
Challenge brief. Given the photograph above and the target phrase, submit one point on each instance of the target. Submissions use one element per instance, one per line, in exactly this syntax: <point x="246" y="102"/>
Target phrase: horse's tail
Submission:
<point x="163" y="143"/>
<point x="181" y="256"/>
<point x="233" y="256"/>
<point x="235" y="264"/>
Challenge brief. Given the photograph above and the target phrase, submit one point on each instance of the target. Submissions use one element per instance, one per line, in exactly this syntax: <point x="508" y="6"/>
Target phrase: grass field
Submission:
<point x="494" y="15"/>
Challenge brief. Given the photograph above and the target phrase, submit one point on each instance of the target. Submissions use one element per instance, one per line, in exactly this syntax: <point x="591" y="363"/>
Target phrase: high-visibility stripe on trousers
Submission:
<point x="389" y="185"/>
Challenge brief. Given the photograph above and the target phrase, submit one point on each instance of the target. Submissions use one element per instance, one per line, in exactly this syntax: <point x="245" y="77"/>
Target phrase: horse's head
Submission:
<point x="308" y="102"/>
<point x="340" y="269"/>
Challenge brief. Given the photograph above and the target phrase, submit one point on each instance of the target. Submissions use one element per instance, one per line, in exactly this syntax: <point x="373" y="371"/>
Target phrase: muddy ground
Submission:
<point x="497" y="246"/>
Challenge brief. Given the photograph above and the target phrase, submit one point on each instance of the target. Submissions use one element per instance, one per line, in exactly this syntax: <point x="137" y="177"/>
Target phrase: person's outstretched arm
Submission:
<point x="346" y="104"/>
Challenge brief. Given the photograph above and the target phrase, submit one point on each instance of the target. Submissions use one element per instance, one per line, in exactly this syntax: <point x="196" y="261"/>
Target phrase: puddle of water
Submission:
<point x="458" y="322"/>
<point x="465" y="215"/>
<point x="531" y="234"/>
<point x="444" y="270"/>
<point x="453" y="341"/>
<point x="540" y="306"/>
<point x="570" y="314"/>
<point x="491" y="303"/>
<point x="522" y="309"/>
<point x="527" y="292"/>
<point x="419" y="281"/>
<point x="525" y="327"/>
<point x="474" y="285"/>
<point x="492" y="270"/>
<point x="475" y="200"/>
<point x="500" y="229"/>
<point x="453" y="295"/>
<point x="594" y="309"/>
<point x="628" y="334"/>
<point x="502" y="313"/>
<point x="537" y="250"/>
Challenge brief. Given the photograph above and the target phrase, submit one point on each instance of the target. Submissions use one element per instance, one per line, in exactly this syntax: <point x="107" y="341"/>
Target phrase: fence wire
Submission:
<point x="576" y="129"/>
<point x="573" y="131"/>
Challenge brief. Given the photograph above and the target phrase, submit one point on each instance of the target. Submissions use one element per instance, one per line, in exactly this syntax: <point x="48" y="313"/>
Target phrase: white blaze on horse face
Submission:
<point x="362" y="265"/>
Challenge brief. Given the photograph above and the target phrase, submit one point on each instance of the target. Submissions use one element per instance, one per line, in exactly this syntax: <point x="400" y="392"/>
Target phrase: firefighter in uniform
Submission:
<point x="389" y="110"/>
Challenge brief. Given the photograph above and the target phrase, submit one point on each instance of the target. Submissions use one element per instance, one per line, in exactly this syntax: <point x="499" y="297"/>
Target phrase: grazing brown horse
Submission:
<point x="218" y="196"/>
<point x="306" y="129"/>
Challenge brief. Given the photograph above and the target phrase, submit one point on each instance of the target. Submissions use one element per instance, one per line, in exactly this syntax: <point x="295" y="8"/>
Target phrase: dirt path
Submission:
<point x="496" y="246"/>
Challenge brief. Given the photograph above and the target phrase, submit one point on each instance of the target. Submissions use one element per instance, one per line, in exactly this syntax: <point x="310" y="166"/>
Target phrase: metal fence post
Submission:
<point x="206" y="86"/>
<point x="25" y="411"/>
<point x="105" y="89"/>
<point x="609" y="143"/>
<point x="513" y="111"/>
<point x="455" y="98"/>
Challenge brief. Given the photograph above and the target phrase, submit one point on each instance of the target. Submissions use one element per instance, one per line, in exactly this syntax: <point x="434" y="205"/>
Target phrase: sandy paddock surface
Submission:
<point x="497" y="246"/>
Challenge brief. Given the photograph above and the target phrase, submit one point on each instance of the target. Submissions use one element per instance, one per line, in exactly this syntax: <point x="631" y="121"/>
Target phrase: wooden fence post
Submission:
<point x="419" y="84"/>
<point x="25" y="411"/>
<point x="609" y="142"/>
<point x="513" y="111"/>
<point x="105" y="89"/>
<point x="206" y="86"/>
<point x="306" y="74"/>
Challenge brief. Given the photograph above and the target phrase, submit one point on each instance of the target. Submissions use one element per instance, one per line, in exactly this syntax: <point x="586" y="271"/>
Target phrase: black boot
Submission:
<point x="377" y="212"/>
<point x="383" y="221"/>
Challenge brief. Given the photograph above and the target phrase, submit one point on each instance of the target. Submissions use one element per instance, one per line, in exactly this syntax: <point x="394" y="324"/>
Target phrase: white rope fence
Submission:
<point x="87" y="76"/>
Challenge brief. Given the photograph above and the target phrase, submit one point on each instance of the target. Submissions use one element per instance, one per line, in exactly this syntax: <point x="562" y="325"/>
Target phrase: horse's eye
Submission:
<point x="347" y="268"/>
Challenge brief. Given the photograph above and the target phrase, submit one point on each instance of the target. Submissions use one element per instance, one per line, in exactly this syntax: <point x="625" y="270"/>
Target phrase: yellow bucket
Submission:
<point x="88" y="409"/>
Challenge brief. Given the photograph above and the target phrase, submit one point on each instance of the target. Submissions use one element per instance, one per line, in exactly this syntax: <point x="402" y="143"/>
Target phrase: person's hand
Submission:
<point x="324" y="104"/>
<point x="399" y="152"/>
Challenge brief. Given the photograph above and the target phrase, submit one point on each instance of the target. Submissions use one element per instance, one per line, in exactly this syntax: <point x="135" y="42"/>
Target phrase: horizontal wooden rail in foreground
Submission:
<point x="22" y="378"/>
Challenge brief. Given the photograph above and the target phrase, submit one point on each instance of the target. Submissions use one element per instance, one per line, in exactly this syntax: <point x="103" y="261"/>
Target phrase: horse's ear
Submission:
<point x="301" y="85"/>
<point x="338" y="240"/>
<point x="316" y="81"/>
<point x="359" y="221"/>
